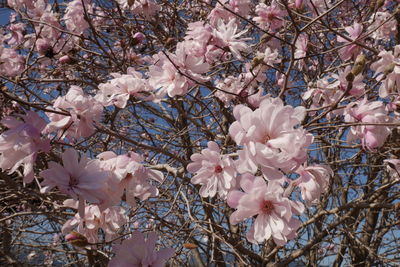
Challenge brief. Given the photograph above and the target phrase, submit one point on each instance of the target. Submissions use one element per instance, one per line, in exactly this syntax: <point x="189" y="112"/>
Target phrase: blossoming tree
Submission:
<point x="200" y="133"/>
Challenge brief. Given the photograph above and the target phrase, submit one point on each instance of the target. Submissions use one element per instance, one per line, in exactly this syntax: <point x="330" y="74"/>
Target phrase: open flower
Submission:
<point x="214" y="172"/>
<point x="138" y="252"/>
<point x="21" y="143"/>
<point x="313" y="181"/>
<point x="270" y="137"/>
<point x="274" y="212"/>
<point x="84" y="111"/>
<point x="78" y="179"/>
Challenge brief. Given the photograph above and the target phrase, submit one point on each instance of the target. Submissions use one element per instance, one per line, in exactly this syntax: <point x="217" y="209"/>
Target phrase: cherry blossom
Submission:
<point x="274" y="212"/>
<point x="21" y="143"/>
<point x="137" y="251"/>
<point x="214" y="172"/>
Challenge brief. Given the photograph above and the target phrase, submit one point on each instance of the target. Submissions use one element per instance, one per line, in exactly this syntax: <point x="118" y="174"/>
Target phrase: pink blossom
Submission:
<point x="75" y="16"/>
<point x="136" y="251"/>
<point x="389" y="68"/>
<point x="109" y="220"/>
<point x="383" y="27"/>
<point x="220" y="13"/>
<point x="270" y="136"/>
<point x="21" y="143"/>
<point x="84" y="111"/>
<point x="270" y="17"/>
<point x="118" y="90"/>
<point x="274" y="212"/>
<point x="165" y="77"/>
<point x="77" y="178"/>
<point x="351" y="50"/>
<point x="226" y="36"/>
<point x="372" y="136"/>
<point x="11" y="63"/>
<point x="132" y="176"/>
<point x="313" y="181"/>
<point x="216" y="173"/>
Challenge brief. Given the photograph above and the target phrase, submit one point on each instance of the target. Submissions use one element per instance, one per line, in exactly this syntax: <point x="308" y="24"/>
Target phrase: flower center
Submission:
<point x="267" y="207"/>
<point x="218" y="169"/>
<point x="73" y="181"/>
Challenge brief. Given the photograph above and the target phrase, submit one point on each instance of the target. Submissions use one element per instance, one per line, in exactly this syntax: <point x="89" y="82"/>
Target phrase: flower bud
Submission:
<point x="64" y="59"/>
<point x="389" y="69"/>
<point x="76" y="239"/>
<point x="358" y="65"/>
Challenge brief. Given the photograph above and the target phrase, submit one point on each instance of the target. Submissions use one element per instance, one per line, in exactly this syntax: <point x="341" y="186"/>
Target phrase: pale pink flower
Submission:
<point x="220" y="13"/>
<point x="21" y="143"/>
<point x="270" y="17"/>
<point x="75" y="16"/>
<point x="382" y="26"/>
<point x="358" y="86"/>
<point x="215" y="172"/>
<point x="82" y="178"/>
<point x="274" y="212"/>
<point x="109" y="220"/>
<point x="270" y="136"/>
<point x="146" y="8"/>
<point x="11" y="63"/>
<point x="137" y="251"/>
<point x="301" y="49"/>
<point x="118" y="90"/>
<point x="226" y="36"/>
<point x="351" y="50"/>
<point x="164" y="74"/>
<point x="372" y="136"/>
<point x="84" y="111"/>
<point x="241" y="7"/>
<point x="313" y="181"/>
<point x="133" y="177"/>
<point x="16" y="35"/>
<point x="389" y="68"/>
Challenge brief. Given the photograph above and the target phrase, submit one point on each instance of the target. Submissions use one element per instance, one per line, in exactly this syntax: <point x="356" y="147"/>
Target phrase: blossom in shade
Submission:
<point x="313" y="181"/>
<point x="271" y="137"/>
<point x="274" y="212"/>
<point x="215" y="172"/>
<point x="371" y="136"/>
<point x="21" y="143"/>
<point x="137" y="251"/>
<point x="131" y="175"/>
<point x="109" y="220"/>
<point x="77" y="178"/>
<point x="84" y="111"/>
